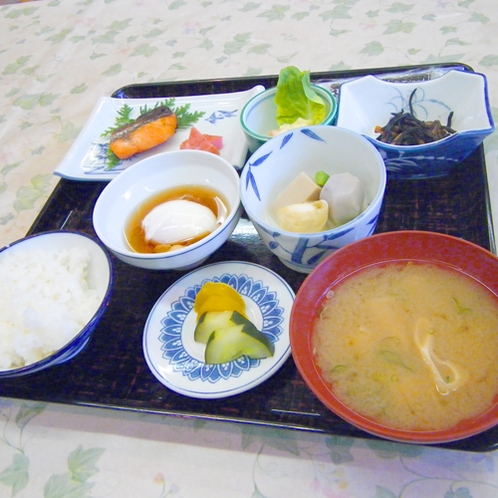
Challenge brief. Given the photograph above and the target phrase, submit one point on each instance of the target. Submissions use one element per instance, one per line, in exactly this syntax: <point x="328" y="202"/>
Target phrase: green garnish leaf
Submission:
<point x="112" y="160"/>
<point x="123" y="118"/>
<point x="295" y="98"/>
<point x="184" y="117"/>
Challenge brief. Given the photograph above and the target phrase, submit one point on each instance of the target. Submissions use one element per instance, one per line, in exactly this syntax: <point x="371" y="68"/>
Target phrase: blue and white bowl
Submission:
<point x="316" y="148"/>
<point x="369" y="102"/>
<point x="99" y="278"/>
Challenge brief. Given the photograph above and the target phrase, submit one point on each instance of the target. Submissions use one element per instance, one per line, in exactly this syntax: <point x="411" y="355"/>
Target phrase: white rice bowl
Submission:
<point x="51" y="286"/>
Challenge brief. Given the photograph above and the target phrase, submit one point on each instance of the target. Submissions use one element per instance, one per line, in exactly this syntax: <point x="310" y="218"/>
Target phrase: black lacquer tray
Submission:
<point x="111" y="372"/>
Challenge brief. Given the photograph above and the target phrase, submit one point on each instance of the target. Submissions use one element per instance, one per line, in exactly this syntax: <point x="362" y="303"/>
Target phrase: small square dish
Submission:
<point x="86" y="160"/>
<point x="457" y="98"/>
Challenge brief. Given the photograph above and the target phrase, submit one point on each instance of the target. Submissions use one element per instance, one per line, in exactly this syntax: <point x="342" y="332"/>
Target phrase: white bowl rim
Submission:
<point x="342" y="228"/>
<point x="446" y="140"/>
<point x="192" y="247"/>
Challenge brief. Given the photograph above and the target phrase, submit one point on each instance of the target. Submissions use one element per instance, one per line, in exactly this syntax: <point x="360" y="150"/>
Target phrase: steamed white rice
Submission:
<point x="45" y="301"/>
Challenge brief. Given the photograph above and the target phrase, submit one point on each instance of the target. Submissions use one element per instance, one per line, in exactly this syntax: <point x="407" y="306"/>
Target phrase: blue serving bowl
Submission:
<point x="369" y="102"/>
<point x="259" y="116"/>
<point x="99" y="277"/>
<point x="316" y="148"/>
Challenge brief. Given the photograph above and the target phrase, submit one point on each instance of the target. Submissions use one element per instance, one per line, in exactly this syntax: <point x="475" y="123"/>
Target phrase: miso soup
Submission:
<point x="413" y="346"/>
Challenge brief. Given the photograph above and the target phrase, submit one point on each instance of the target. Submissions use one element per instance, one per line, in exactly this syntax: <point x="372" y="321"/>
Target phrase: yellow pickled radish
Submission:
<point x="210" y="289"/>
<point x="221" y="303"/>
<point x="217" y="296"/>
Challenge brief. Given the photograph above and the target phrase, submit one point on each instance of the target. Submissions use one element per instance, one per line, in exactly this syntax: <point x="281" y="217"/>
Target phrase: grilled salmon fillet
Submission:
<point x="150" y="129"/>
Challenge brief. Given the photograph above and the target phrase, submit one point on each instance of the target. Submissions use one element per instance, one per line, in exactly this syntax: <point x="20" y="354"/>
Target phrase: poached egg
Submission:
<point x="178" y="220"/>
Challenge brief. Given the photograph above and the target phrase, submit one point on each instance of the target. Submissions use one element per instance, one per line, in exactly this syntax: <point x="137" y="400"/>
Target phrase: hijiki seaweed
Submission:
<point x="405" y="129"/>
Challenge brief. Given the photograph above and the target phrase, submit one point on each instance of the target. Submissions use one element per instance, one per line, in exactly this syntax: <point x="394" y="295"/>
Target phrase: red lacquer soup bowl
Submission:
<point x="441" y="250"/>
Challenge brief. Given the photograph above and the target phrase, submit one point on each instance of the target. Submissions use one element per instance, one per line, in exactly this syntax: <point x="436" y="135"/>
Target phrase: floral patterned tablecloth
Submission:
<point x="56" y="59"/>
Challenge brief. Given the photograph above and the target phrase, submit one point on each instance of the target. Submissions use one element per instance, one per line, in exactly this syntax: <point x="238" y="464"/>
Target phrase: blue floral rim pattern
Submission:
<point x="172" y="324"/>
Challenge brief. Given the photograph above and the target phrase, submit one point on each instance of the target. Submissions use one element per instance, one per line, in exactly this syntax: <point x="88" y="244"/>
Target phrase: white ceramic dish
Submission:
<point x="157" y="173"/>
<point x="176" y="360"/>
<point x="86" y="159"/>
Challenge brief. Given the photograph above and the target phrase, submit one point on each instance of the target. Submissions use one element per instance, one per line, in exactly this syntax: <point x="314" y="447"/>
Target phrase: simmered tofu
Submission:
<point x="301" y="189"/>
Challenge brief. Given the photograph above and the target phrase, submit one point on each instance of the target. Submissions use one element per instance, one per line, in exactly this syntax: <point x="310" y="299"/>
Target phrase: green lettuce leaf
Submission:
<point x="295" y="98"/>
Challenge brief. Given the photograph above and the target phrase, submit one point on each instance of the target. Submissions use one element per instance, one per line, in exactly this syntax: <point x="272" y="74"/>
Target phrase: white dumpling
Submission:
<point x="345" y="197"/>
<point x="304" y="217"/>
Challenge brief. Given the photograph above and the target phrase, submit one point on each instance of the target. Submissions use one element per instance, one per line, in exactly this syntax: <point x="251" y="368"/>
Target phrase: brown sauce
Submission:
<point x="209" y="197"/>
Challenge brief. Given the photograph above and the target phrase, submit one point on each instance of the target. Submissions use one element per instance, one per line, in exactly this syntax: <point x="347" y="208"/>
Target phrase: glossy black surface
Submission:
<point x="111" y="372"/>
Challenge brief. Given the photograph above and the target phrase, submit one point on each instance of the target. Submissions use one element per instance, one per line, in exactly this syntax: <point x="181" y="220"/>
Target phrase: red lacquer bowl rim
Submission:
<point x="441" y="249"/>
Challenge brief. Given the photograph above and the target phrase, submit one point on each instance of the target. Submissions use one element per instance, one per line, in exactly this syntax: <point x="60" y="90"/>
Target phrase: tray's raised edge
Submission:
<point x="487" y="201"/>
<point x="246" y="82"/>
<point x="475" y="444"/>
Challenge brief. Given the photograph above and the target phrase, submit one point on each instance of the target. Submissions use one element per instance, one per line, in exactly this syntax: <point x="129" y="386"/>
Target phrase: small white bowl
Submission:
<point x="369" y="102"/>
<point x="317" y="148"/>
<point x="99" y="278"/>
<point x="155" y="174"/>
<point x="259" y="116"/>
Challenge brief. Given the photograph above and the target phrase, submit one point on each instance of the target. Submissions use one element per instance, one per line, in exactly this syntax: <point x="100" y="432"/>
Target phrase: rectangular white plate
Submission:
<point x="86" y="159"/>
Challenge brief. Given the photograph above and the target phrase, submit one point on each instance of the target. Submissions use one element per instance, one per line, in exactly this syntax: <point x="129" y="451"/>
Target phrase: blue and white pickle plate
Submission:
<point x="177" y="361"/>
<point x="86" y="159"/>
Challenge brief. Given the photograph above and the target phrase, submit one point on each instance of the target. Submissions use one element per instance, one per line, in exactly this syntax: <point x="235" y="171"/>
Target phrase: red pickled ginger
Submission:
<point x="202" y="141"/>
